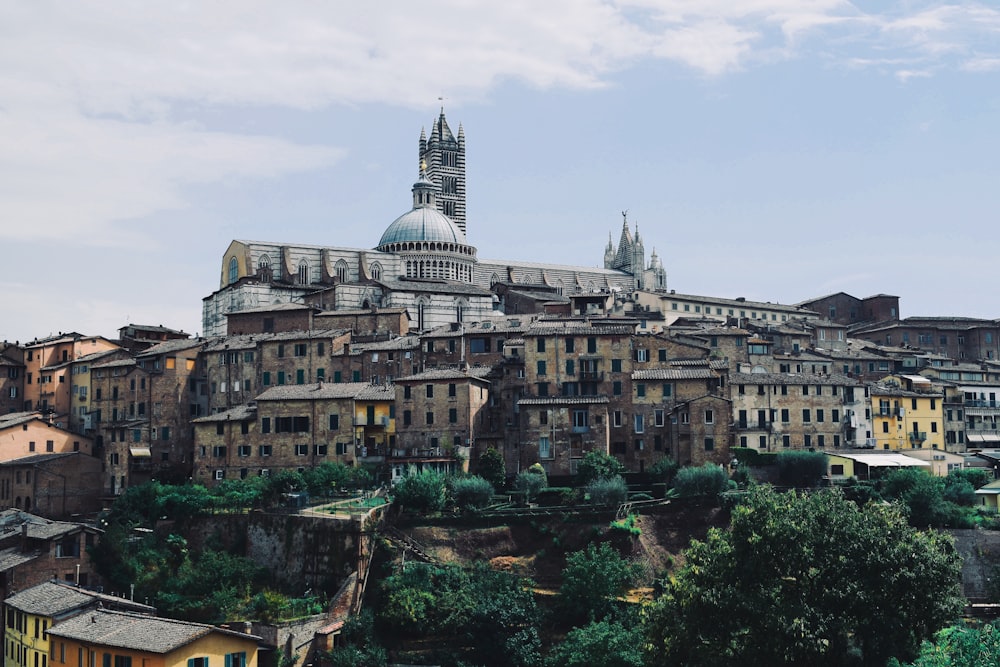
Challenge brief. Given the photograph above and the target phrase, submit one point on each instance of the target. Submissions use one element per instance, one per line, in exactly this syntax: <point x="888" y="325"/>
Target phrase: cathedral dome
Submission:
<point x="422" y="223"/>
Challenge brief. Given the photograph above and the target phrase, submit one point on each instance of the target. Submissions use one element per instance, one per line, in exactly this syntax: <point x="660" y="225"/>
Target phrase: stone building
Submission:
<point x="294" y="427"/>
<point x="378" y="362"/>
<point x="439" y="415"/>
<point x="142" y="413"/>
<point x="657" y="421"/>
<point x="60" y="485"/>
<point x="780" y="411"/>
<point x="11" y="378"/>
<point x="48" y="362"/>
<point x="558" y="431"/>
<point x="907" y="413"/>
<point x="34" y="549"/>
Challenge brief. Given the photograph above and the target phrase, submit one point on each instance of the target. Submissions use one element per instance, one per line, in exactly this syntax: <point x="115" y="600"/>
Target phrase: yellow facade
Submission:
<point x="375" y="424"/>
<point x="217" y="649"/>
<point x="839" y="467"/>
<point x="903" y="420"/>
<point x="26" y="643"/>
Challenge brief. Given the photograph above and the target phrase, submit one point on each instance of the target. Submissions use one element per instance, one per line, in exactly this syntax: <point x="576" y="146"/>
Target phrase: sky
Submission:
<point x="777" y="150"/>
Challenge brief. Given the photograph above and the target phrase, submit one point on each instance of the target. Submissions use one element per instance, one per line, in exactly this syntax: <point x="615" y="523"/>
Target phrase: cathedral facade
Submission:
<point x="423" y="261"/>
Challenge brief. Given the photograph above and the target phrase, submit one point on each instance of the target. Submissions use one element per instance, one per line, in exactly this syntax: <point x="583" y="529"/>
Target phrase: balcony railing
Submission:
<point x="981" y="404"/>
<point x="377" y="421"/>
<point x="591" y="376"/>
<point x="917" y="437"/>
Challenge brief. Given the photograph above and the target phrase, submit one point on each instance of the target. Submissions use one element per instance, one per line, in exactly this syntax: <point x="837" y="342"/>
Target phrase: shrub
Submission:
<point x="530" y="484"/>
<point x="801" y="469"/>
<point x="471" y="492"/>
<point x="663" y="470"/>
<point x="491" y="468"/>
<point x="598" y="465"/>
<point x="611" y="491"/>
<point x="421" y="491"/>
<point x="708" y="481"/>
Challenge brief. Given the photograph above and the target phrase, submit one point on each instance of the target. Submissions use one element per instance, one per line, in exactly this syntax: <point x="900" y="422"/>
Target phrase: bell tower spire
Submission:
<point x="444" y="155"/>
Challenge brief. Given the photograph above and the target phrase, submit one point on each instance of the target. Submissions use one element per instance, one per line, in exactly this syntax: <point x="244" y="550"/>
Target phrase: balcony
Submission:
<point x="580" y="429"/>
<point x="917" y="437"/>
<point x="981" y="404"/>
<point x="591" y="376"/>
<point x="382" y="422"/>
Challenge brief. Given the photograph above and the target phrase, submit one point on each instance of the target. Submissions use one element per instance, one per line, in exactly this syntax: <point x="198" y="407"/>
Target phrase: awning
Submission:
<point x="140" y="452"/>
<point x="983" y="437"/>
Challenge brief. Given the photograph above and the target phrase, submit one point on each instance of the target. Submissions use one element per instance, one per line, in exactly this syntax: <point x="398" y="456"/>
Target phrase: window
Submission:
<point x="452" y="416"/>
<point x="267" y="378"/>
<point x="616" y="418"/>
<point x="300" y="349"/>
<point x="658" y="418"/>
<point x="544" y="448"/>
<point x="616" y="388"/>
<point x="429" y="391"/>
<point x="319" y="450"/>
<point x="709" y="416"/>
<point x="407" y="417"/>
<point x="571" y="343"/>
<point x="580" y="419"/>
<point x="541" y="367"/>
<point x="334" y="422"/>
<point x="429" y="418"/>
<point x="642" y="355"/>
<point x="785" y="418"/>
<point x="835" y="415"/>
<point x="570" y="367"/>
<point x="592" y="345"/>
<point x="820" y="416"/>
<point x="668" y="390"/>
<point x="806" y="416"/>
<point x="236" y="659"/>
<point x="640" y="390"/>
<point x="640" y="423"/>
<point x="219" y="451"/>
<point x="543" y="417"/>
<point x="616" y="365"/>
<point x="200" y="662"/>
<point x="540" y="345"/>
<point x="786" y="441"/>
<point x="243" y="450"/>
<point x="265" y="424"/>
<point x="709" y="444"/>
<point x="302" y="450"/>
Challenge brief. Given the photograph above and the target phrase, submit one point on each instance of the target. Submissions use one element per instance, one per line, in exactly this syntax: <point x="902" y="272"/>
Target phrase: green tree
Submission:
<point x="598" y="465"/>
<point x="801" y="469"/>
<point x="360" y="647"/>
<point x="806" y="579"/>
<point x="471" y="492"/>
<point x="531" y="481"/>
<point x="960" y="646"/>
<point x="663" y="470"/>
<point x="593" y="581"/>
<point x="599" y="644"/>
<point x="607" y="491"/>
<point x="491" y="468"/>
<point x="424" y="491"/>
<point x="708" y="481"/>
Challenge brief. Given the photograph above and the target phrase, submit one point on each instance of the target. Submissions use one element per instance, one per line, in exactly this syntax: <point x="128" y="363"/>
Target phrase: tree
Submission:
<point x="531" y="481"/>
<point x="708" y="481"/>
<point x="663" y="470"/>
<point x="806" y="579"/>
<point x="598" y="465"/>
<point x="960" y="646"/>
<point x="593" y="581"/>
<point x="607" y="491"/>
<point x="491" y="468"/>
<point x="424" y="491"/>
<point x="471" y="492"/>
<point x="599" y="644"/>
<point x="801" y="469"/>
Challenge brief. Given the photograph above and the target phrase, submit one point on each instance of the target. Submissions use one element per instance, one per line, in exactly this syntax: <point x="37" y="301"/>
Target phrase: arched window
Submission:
<point x="341" y="270"/>
<point x="376" y="271"/>
<point x="303" y="276"/>
<point x="234" y="270"/>
<point x="264" y="268"/>
<point x="494" y="279"/>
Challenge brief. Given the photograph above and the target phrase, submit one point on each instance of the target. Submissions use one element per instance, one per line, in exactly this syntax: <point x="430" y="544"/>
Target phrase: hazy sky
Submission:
<point x="773" y="149"/>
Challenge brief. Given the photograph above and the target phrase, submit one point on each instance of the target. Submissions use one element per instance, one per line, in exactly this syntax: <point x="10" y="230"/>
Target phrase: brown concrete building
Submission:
<point x="959" y="338"/>
<point x="34" y="549"/>
<point x="139" y="337"/>
<point x="558" y="431"/>
<point x="781" y="411"/>
<point x="653" y="426"/>
<point x="377" y="362"/>
<point x="48" y="361"/>
<point x="440" y="413"/>
<point x="56" y="486"/>
<point x="294" y="427"/>
<point x="850" y="310"/>
<point x="11" y="378"/>
<point x="298" y="357"/>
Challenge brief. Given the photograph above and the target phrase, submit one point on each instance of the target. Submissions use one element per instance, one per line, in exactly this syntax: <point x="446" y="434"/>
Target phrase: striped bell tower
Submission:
<point x="444" y="156"/>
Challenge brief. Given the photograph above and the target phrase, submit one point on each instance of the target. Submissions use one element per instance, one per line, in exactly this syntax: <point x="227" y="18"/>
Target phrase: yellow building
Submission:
<point x="868" y="465"/>
<point x="30" y="614"/>
<point x="102" y="638"/>
<point x="907" y="413"/>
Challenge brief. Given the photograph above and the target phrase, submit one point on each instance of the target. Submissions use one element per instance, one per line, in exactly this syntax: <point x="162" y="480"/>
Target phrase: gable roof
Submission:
<point x="148" y="634"/>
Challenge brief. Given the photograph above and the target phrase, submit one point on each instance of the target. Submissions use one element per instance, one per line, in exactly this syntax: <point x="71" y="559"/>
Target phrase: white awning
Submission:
<point x="140" y="452"/>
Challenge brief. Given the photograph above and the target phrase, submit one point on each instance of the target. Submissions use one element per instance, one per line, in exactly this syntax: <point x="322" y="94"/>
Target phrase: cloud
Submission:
<point x="102" y="103"/>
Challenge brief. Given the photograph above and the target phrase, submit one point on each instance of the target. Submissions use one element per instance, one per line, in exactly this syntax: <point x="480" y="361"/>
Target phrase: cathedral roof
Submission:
<point x="422" y="224"/>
